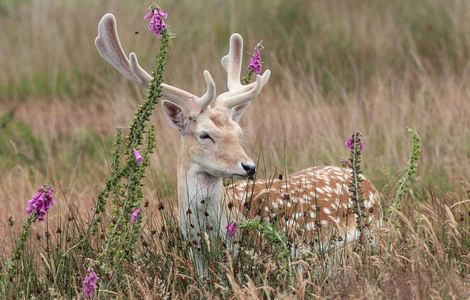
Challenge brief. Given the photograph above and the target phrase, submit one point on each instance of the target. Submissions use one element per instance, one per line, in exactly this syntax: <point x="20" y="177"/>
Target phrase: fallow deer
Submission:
<point x="311" y="203"/>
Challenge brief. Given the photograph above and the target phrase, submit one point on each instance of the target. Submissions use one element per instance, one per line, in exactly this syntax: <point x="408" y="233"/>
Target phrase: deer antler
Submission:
<point x="108" y="45"/>
<point x="232" y="63"/>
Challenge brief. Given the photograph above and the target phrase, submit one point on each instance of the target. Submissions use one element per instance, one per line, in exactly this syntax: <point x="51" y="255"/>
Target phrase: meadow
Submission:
<point x="337" y="66"/>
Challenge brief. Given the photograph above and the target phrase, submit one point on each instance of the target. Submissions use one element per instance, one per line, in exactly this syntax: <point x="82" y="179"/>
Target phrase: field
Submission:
<point x="337" y="66"/>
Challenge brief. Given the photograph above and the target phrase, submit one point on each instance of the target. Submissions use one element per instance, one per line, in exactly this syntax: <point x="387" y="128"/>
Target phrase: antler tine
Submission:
<point x="138" y="70"/>
<point x="209" y="96"/>
<point x="232" y="62"/>
<point x="108" y="45"/>
<point x="249" y="95"/>
<point x="196" y="103"/>
<point x="170" y="92"/>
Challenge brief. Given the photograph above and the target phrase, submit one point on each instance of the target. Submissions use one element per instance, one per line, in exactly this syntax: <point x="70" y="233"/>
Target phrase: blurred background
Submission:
<point x="338" y="66"/>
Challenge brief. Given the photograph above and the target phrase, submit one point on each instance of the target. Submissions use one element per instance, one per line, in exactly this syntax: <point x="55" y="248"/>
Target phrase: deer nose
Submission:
<point x="250" y="168"/>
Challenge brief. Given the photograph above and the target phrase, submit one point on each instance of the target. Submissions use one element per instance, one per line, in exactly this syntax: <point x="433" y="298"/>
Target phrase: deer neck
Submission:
<point x="200" y="197"/>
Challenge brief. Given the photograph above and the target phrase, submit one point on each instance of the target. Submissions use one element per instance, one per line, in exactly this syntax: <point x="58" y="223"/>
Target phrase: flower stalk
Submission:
<point x="356" y="147"/>
<point x="410" y="172"/>
<point x="255" y="65"/>
<point x="11" y="264"/>
<point x="123" y="232"/>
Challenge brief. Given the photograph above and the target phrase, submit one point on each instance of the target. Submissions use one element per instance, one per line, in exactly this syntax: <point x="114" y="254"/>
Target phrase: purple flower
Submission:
<point x="138" y="157"/>
<point x="149" y="14"/>
<point x="231" y="229"/>
<point x="157" y="16"/>
<point x="256" y="65"/>
<point x="41" y="202"/>
<point x="350" y="144"/>
<point x="135" y="215"/>
<point x="89" y="283"/>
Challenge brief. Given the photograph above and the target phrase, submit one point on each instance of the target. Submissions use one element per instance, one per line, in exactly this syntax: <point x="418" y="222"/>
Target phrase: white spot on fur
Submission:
<point x="310" y="226"/>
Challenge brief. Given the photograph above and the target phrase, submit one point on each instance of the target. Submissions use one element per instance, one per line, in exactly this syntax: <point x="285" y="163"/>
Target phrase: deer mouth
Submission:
<point x="241" y="176"/>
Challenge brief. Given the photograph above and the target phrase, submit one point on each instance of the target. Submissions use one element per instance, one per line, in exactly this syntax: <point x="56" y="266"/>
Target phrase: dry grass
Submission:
<point x="338" y="66"/>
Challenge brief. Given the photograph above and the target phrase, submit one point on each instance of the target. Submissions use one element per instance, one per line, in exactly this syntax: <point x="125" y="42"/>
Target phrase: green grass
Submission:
<point x="18" y="143"/>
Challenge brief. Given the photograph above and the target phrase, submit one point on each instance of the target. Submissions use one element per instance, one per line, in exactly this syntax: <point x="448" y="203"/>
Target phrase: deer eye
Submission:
<point x="204" y="135"/>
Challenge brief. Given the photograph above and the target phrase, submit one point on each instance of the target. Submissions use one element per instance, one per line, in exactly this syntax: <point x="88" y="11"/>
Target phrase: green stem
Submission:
<point x="154" y="94"/>
<point x="17" y="253"/>
<point x="135" y="135"/>
<point x="247" y="78"/>
<point x="121" y="238"/>
<point x="355" y="185"/>
<point x="410" y="173"/>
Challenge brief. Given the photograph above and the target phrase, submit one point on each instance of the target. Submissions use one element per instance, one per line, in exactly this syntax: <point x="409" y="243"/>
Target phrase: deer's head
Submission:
<point x="208" y="124"/>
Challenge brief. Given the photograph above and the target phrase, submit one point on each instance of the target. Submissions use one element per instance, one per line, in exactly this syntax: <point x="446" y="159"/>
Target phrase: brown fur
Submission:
<point x="308" y="203"/>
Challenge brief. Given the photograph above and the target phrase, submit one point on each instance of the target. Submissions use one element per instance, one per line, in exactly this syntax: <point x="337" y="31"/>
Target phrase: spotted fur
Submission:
<point x="311" y="205"/>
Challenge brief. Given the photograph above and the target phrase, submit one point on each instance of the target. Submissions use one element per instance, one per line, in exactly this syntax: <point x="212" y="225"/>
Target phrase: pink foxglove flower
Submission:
<point x="255" y="65"/>
<point x="138" y="157"/>
<point x="90" y="283"/>
<point x="231" y="229"/>
<point x="157" y="16"/>
<point x="41" y="202"/>
<point x="350" y="144"/>
<point x="135" y="215"/>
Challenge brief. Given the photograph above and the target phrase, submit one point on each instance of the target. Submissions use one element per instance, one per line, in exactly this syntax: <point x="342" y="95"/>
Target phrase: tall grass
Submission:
<point x="338" y="66"/>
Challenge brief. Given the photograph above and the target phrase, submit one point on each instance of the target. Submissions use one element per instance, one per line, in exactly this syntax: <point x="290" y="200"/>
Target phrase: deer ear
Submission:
<point x="174" y="115"/>
<point x="238" y="111"/>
